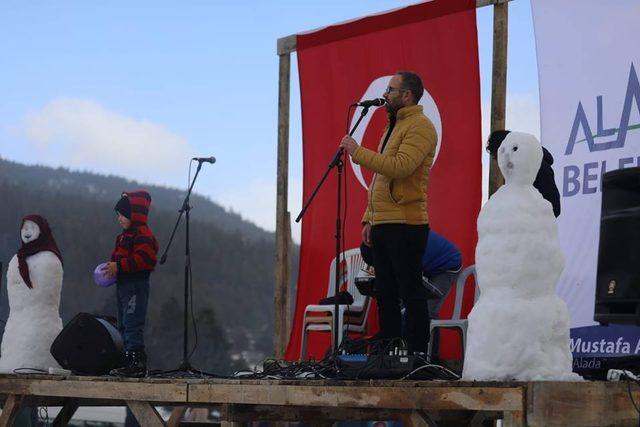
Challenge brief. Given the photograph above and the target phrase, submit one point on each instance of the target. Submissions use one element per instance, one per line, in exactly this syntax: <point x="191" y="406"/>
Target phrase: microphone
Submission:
<point x="205" y="159"/>
<point x="371" y="103"/>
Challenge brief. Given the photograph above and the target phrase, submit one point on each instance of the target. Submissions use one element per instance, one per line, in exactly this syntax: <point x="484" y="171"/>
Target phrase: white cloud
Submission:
<point x="256" y="201"/>
<point x="83" y="134"/>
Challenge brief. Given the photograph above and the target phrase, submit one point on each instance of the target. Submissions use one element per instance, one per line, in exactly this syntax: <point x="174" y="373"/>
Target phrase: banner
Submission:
<point x="588" y="58"/>
<point x="346" y="63"/>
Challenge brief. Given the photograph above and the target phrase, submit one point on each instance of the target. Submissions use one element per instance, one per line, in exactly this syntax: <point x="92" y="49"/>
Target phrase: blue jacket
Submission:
<point x="440" y="256"/>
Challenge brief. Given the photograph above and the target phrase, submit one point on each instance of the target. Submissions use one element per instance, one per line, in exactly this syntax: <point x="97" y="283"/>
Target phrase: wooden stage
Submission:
<point x="320" y="402"/>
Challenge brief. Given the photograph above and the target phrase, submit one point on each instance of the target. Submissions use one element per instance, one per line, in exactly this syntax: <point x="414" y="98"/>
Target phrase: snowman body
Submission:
<point x="519" y="327"/>
<point x="34" y="320"/>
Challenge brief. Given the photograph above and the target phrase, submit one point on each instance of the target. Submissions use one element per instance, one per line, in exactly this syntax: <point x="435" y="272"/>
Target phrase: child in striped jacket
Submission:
<point x="132" y="261"/>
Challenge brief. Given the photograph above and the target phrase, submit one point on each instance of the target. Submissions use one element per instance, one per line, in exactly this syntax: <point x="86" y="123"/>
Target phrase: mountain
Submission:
<point x="232" y="263"/>
<point x="103" y="188"/>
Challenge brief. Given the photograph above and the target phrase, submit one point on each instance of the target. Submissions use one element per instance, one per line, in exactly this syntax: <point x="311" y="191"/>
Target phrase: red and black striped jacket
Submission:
<point x="136" y="248"/>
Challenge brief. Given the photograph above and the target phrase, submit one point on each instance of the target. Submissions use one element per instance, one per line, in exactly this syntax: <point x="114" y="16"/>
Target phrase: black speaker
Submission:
<point x="618" y="281"/>
<point x="88" y="345"/>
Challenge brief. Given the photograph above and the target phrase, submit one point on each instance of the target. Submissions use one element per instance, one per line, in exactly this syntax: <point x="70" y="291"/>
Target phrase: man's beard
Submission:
<point x="391" y="109"/>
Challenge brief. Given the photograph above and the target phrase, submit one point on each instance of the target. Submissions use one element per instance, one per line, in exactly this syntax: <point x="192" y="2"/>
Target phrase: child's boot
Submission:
<point x="135" y="365"/>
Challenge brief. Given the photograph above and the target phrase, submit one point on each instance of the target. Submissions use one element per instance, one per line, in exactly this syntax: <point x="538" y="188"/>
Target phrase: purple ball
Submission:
<point x="100" y="276"/>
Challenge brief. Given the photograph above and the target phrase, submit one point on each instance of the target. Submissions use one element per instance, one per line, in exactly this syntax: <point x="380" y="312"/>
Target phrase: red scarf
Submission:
<point x="44" y="242"/>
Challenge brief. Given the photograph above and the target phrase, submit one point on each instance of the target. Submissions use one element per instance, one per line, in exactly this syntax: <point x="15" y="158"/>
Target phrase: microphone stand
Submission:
<point x="185" y="366"/>
<point x="338" y="164"/>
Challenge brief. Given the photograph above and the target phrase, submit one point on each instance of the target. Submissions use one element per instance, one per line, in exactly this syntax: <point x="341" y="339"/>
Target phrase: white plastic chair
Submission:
<point x="351" y="318"/>
<point x="456" y="321"/>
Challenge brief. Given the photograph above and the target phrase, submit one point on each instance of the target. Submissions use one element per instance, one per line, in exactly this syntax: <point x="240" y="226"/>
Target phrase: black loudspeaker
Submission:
<point x="618" y="280"/>
<point x="88" y="345"/>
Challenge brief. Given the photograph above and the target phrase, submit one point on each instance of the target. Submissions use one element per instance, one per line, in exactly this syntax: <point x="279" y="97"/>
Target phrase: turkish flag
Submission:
<point x="346" y="63"/>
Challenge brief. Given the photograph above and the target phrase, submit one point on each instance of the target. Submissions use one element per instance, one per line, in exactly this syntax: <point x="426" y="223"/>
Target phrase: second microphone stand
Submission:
<point x="185" y="367"/>
<point x="337" y="163"/>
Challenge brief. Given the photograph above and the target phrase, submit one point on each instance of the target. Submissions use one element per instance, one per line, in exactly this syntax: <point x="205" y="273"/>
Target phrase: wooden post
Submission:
<point x="10" y="410"/>
<point x="283" y="235"/>
<point x="498" y="84"/>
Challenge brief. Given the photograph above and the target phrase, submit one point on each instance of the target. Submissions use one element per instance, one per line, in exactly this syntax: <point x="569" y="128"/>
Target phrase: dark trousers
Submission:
<point x="132" y="296"/>
<point x="398" y="250"/>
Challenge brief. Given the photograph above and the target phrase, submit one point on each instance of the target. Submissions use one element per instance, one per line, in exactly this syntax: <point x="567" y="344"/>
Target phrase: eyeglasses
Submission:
<point x="391" y="89"/>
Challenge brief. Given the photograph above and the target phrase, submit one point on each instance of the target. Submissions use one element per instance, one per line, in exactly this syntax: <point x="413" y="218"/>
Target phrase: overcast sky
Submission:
<point x="137" y="88"/>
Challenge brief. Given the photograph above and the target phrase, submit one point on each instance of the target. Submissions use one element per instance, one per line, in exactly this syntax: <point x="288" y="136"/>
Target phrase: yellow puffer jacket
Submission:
<point x="398" y="191"/>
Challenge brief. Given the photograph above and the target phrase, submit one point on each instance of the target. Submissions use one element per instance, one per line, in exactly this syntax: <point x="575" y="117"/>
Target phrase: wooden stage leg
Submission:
<point x="176" y="416"/>
<point x="64" y="416"/>
<point x="514" y="419"/>
<point x="146" y="414"/>
<point x="10" y="410"/>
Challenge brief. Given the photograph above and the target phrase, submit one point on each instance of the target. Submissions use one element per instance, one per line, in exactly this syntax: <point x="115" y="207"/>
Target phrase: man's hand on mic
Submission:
<point x="349" y="144"/>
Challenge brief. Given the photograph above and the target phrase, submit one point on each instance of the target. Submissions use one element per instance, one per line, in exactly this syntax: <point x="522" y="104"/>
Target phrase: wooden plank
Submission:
<point x="10" y="410"/>
<point x="64" y="416"/>
<point x="282" y="271"/>
<point x="246" y="413"/>
<point x="428" y="398"/>
<point x="145" y="414"/>
<point x="498" y="84"/>
<point x="581" y="403"/>
<point x="96" y="389"/>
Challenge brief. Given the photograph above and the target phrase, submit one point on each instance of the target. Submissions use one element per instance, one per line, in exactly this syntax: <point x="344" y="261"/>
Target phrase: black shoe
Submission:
<point x="134" y="367"/>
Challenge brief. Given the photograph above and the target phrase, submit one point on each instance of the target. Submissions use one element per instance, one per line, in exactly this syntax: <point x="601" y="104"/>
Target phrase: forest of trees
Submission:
<point x="232" y="263"/>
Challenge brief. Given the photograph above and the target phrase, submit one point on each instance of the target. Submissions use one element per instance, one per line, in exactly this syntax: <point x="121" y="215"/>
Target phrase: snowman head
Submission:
<point x="30" y="231"/>
<point x="519" y="158"/>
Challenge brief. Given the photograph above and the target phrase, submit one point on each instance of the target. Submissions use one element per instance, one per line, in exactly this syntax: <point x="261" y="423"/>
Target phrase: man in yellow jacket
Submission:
<point x="395" y="222"/>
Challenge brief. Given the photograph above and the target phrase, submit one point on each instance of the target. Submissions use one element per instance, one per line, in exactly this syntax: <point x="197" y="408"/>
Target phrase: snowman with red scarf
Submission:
<point x="34" y="283"/>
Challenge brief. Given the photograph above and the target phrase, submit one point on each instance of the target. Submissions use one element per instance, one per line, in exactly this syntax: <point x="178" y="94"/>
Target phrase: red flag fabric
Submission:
<point x="346" y="63"/>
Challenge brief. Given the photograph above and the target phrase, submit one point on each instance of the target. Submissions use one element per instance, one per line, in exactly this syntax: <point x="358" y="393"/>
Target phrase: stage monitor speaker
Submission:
<point x="617" y="297"/>
<point x="88" y="345"/>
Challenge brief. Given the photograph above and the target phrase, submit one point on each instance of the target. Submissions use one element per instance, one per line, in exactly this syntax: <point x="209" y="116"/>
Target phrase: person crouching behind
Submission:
<point x="132" y="262"/>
